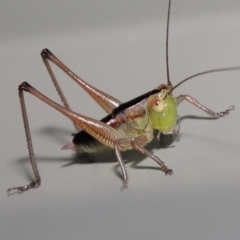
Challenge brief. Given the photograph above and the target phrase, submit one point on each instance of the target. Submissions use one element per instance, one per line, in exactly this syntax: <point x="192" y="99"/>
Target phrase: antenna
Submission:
<point x="167" y="33"/>
<point x="205" y="72"/>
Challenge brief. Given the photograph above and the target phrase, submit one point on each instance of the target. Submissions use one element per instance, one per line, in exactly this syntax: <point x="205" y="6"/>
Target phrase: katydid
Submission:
<point x="127" y="126"/>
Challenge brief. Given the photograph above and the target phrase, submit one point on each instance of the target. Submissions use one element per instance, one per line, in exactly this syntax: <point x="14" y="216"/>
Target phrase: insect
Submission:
<point x="127" y="126"/>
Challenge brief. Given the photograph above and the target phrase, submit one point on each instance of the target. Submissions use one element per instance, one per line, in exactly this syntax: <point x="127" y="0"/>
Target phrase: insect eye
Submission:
<point x="156" y="105"/>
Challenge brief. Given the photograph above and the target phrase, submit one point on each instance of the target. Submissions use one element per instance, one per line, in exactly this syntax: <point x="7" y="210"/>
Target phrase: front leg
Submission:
<point x="213" y="114"/>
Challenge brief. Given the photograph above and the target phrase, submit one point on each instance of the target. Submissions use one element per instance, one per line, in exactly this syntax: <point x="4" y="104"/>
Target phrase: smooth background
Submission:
<point x="119" y="46"/>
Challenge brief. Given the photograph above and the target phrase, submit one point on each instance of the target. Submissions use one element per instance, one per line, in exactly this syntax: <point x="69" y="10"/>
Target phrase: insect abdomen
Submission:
<point x="84" y="142"/>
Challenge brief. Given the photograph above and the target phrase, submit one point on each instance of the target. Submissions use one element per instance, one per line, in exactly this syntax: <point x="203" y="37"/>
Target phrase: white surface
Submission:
<point x="120" y="47"/>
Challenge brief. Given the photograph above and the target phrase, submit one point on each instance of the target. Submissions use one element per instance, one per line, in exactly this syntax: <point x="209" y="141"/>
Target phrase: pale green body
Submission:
<point x="140" y="119"/>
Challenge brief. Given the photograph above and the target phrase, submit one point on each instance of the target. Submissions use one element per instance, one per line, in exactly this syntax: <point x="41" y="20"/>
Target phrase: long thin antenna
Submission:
<point x="205" y="72"/>
<point x="167" y="33"/>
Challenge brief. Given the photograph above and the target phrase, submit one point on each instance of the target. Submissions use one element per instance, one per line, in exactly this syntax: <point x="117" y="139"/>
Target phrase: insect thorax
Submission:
<point x="134" y="121"/>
